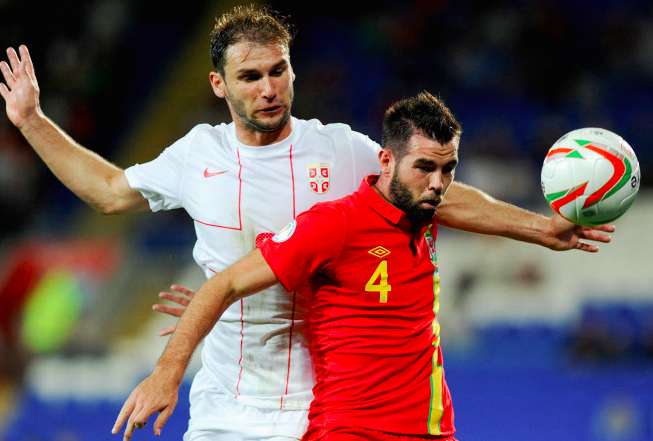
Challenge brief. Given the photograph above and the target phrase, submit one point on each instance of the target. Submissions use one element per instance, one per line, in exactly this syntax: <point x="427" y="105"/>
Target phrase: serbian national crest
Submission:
<point x="318" y="177"/>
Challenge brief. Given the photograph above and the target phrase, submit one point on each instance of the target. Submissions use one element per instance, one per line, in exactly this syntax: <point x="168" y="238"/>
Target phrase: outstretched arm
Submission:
<point x="467" y="208"/>
<point x="93" y="179"/>
<point x="158" y="392"/>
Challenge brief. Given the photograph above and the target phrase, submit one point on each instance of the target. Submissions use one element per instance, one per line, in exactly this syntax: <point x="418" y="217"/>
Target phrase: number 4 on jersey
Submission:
<point x="382" y="287"/>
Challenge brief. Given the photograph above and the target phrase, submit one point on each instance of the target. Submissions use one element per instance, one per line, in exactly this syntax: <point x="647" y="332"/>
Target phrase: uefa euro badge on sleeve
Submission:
<point x="318" y="177"/>
<point x="285" y="232"/>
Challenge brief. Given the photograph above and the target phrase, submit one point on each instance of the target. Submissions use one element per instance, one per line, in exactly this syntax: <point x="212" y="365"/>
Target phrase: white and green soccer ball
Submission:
<point x="590" y="176"/>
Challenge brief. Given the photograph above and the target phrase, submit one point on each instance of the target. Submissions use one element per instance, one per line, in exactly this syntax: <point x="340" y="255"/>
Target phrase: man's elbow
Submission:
<point x="120" y="198"/>
<point x="118" y="205"/>
<point x="109" y="209"/>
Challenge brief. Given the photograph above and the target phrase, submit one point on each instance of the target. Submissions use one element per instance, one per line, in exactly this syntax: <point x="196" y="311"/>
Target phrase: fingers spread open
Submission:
<point x="27" y="60"/>
<point x="140" y="418"/>
<point x="7" y="74"/>
<point x="596" y="235"/>
<point x="609" y="228"/>
<point x="587" y="247"/>
<point x="131" y="425"/>
<point x="167" y="309"/>
<point x="124" y="413"/>
<point x="13" y="59"/>
<point x="182" y="289"/>
<point x="180" y="300"/>
<point x="162" y="419"/>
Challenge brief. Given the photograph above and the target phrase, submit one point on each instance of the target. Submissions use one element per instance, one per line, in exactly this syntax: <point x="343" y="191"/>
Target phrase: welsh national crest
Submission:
<point x="318" y="177"/>
<point x="430" y="243"/>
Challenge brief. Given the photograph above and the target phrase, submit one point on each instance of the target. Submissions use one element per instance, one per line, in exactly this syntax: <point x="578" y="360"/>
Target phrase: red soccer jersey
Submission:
<point x="372" y="288"/>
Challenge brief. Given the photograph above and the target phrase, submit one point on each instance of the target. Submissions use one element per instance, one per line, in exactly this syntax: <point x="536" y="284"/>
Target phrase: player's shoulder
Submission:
<point x="204" y="136"/>
<point x="332" y="131"/>
<point x="318" y="126"/>
<point x="340" y="135"/>
<point x="205" y="129"/>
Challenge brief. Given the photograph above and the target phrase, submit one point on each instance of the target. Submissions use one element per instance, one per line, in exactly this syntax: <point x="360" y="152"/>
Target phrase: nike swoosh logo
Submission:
<point x="208" y="174"/>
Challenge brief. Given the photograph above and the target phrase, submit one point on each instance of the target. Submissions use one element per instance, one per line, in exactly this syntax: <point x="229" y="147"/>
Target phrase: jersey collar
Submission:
<point x="378" y="203"/>
<point x="267" y="148"/>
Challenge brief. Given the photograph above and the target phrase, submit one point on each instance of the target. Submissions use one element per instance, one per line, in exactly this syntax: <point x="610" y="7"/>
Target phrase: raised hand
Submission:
<point x="182" y="298"/>
<point x="20" y="89"/>
<point x="564" y="235"/>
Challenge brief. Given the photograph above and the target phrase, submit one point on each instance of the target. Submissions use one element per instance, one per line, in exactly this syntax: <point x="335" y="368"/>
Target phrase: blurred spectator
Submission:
<point x="18" y="181"/>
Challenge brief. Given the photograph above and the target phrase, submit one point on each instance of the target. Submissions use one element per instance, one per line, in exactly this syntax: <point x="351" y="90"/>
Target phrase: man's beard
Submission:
<point x="403" y="199"/>
<point x="254" y="124"/>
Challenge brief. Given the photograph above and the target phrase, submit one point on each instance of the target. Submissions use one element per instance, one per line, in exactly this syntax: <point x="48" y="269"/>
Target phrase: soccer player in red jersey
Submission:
<point x="366" y="267"/>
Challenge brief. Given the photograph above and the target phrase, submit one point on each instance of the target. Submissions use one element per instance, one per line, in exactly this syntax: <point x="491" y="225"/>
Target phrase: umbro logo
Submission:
<point x="208" y="174"/>
<point x="379" y="252"/>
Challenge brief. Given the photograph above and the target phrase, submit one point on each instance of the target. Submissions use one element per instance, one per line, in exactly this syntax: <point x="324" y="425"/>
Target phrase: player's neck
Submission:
<point x="257" y="138"/>
<point x="382" y="187"/>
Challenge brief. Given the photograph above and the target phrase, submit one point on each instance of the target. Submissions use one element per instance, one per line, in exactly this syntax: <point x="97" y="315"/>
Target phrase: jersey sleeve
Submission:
<point x="159" y="181"/>
<point x="365" y="154"/>
<point x="307" y="245"/>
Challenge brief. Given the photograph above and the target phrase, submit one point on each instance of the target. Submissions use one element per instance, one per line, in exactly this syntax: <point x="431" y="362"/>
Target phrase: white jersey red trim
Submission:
<point x="256" y="353"/>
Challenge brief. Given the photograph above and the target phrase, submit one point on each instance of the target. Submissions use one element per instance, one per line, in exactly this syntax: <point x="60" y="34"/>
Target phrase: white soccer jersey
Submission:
<point x="234" y="193"/>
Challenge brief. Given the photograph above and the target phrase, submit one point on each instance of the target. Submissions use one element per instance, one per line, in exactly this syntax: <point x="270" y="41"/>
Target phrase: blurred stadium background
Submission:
<point x="539" y="345"/>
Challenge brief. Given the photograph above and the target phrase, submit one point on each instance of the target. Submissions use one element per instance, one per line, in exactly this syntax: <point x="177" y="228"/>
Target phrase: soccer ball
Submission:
<point x="590" y="176"/>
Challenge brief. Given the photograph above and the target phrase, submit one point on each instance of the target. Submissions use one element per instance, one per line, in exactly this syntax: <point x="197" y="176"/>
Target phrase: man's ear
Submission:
<point x="386" y="159"/>
<point x="217" y="84"/>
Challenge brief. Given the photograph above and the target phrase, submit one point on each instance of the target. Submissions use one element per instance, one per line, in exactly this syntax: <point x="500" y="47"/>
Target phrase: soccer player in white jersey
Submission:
<point x="239" y="182"/>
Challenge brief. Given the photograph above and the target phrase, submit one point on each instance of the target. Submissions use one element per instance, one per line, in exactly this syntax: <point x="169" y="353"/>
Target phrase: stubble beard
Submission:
<point x="402" y="198"/>
<point x="255" y="125"/>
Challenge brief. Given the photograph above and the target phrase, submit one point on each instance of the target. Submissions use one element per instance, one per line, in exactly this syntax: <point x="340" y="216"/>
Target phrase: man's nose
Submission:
<point x="267" y="88"/>
<point x="435" y="182"/>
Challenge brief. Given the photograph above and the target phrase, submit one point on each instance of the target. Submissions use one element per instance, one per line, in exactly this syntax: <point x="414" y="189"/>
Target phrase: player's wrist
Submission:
<point x="535" y="228"/>
<point x="170" y="371"/>
<point x="32" y="121"/>
<point x="545" y="232"/>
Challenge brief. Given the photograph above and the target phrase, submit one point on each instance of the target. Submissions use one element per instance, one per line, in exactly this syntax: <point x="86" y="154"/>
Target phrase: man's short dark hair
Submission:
<point x="255" y="24"/>
<point x="424" y="113"/>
